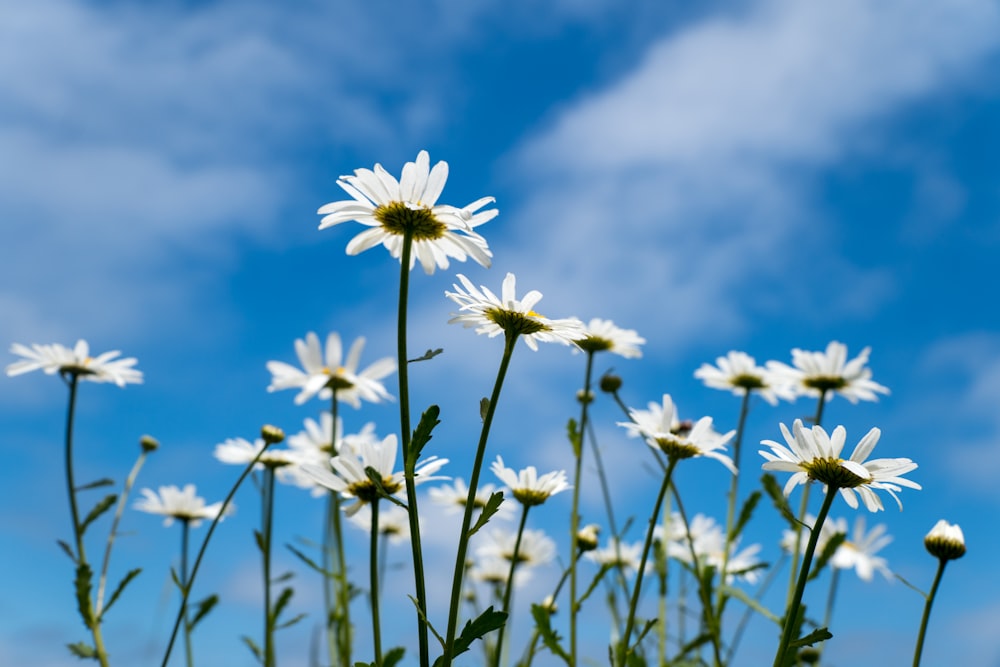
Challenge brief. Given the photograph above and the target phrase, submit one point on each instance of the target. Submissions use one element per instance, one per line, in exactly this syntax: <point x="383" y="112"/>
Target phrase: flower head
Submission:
<point x="738" y="372"/>
<point x="945" y="541"/>
<point x="813" y="454"/>
<point x="815" y="373"/>
<point x="239" y="451"/>
<point x="184" y="504"/>
<point x="858" y="551"/>
<point x="56" y="358"/>
<point x="391" y="209"/>
<point x="493" y="316"/>
<point x="536" y="547"/>
<point x="315" y="445"/>
<point x="453" y="497"/>
<point x="708" y="542"/>
<point x="349" y="477"/>
<point x="327" y="372"/>
<point x="662" y="430"/>
<point x="628" y="557"/>
<point x="526" y="486"/>
<point x="600" y="335"/>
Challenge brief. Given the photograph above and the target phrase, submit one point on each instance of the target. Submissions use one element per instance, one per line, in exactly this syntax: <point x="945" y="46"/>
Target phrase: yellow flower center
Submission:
<point x="825" y="382"/>
<point x="514" y="322"/>
<point x="676" y="448"/>
<point x="830" y="471"/>
<point x="398" y="218"/>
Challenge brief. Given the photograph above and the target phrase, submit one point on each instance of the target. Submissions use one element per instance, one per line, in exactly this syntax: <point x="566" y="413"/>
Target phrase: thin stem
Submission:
<point x="91" y="618"/>
<point x="733" y="488"/>
<point x="927" y="612"/>
<point x="373" y="584"/>
<point x="185" y="529"/>
<point x="267" y="510"/>
<point x="791" y="614"/>
<point x="204" y="546"/>
<point x="803" y="508"/>
<point x="748" y="612"/>
<point x="463" y="538"/>
<point x="409" y="461"/>
<point x="623" y="647"/>
<point x="509" y="588"/>
<point x="574" y="517"/>
<point x="113" y="532"/>
<point x="335" y="586"/>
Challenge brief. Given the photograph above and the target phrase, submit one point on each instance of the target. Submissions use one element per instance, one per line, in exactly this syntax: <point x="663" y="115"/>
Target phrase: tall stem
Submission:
<point x="336" y="592"/>
<point x="623" y="647"/>
<point x="267" y="509"/>
<point x="574" y="517"/>
<point x="463" y="538"/>
<point x="927" y="612"/>
<point x="791" y="614"/>
<point x="185" y="529"/>
<point x="91" y="618"/>
<point x="373" y="584"/>
<point x="410" y="462"/>
<point x="731" y="510"/>
<point x="509" y="588"/>
<point x="804" y="507"/>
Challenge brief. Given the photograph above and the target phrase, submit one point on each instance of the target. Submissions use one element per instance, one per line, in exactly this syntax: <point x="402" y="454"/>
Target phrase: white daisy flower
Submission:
<point x="454" y="496"/>
<point x="391" y="208"/>
<point x="494" y="572"/>
<point x="393" y="521"/>
<point x="815" y="373"/>
<point x="708" y="541"/>
<point x="56" y="358"/>
<point x="858" y="551"/>
<point x="945" y="541"/>
<point x="812" y="454"/>
<point x="239" y="451"/>
<point x="830" y="529"/>
<point x="315" y="445"/>
<point x="326" y="371"/>
<point x="536" y="547"/>
<point x="600" y="335"/>
<point x="738" y="372"/>
<point x="175" y="503"/>
<point x="526" y="486"/>
<point x="662" y="430"/>
<point x="348" y="476"/>
<point x="493" y="316"/>
<point x="628" y="557"/>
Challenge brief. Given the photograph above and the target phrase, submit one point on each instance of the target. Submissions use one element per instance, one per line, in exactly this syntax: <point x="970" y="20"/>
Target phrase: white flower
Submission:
<point x="493" y="316"/>
<point x="184" y="504"/>
<point x="315" y="445"/>
<point x="662" y="430"/>
<point x="526" y="486"/>
<point x="391" y="208"/>
<point x="600" y="335"/>
<point x="393" y="521"/>
<point x="815" y="373"/>
<point x="708" y="542"/>
<point x="738" y="372"/>
<point x="536" y="547"/>
<point x="349" y="478"/>
<point x="324" y="372"/>
<point x="945" y="541"/>
<point x="56" y="358"/>
<point x="830" y="529"/>
<point x="239" y="451"/>
<point x="628" y="557"/>
<point x="494" y="571"/>
<point x="812" y="454"/>
<point x="858" y="552"/>
<point x="453" y="498"/>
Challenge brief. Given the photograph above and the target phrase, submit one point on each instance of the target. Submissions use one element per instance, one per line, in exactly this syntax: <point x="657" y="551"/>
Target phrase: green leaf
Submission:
<point x="204" y="606"/>
<point x="429" y="354"/>
<point x="575" y="437"/>
<point x="491" y="508"/>
<point x="549" y="636"/>
<point x="422" y="435"/>
<point x="778" y="498"/>
<point x="607" y="567"/>
<point x="484" y="407"/>
<point x="742" y="596"/>
<point x="94" y="485"/>
<point x="82" y="650"/>
<point x="283" y="577"/>
<point x="279" y="605"/>
<point x="829" y="549"/>
<point x="100" y="508"/>
<point x="745" y="513"/>
<point x="817" y="635"/>
<point x="393" y="656"/>
<point x="430" y="625"/>
<point x="258" y="537"/>
<point x="129" y="576"/>
<point x="310" y="562"/>
<point x="292" y="621"/>
<point x="257" y="653"/>
<point x="69" y="551"/>
<point x="483" y="624"/>
<point x="700" y="640"/>
<point x="84" y="576"/>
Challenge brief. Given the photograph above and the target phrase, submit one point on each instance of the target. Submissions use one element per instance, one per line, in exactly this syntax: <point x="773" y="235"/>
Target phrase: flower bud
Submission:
<point x="610" y="383"/>
<point x="585" y="397"/>
<point x="586" y="537"/>
<point x="945" y="541"/>
<point x="272" y="435"/>
<point x="549" y="605"/>
<point x="149" y="443"/>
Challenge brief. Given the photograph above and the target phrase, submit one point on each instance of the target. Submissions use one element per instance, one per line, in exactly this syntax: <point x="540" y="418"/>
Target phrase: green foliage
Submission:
<point x="390" y="659"/>
<point x="82" y="650"/>
<point x="491" y="508"/>
<point x="742" y="596"/>
<point x="69" y="550"/>
<point x="204" y="606"/>
<point x="106" y="481"/>
<point x="129" y="576"/>
<point x="100" y="508"/>
<point x="484" y="407"/>
<point x="824" y="556"/>
<point x="483" y="624"/>
<point x="84" y="577"/>
<point x="421" y="436"/>
<point x="817" y="635"/>
<point x="256" y="650"/>
<point x="773" y="490"/>
<point x="549" y="637"/>
<point x="745" y="513"/>
<point x="429" y="354"/>
<point x="310" y="563"/>
<point x="575" y="437"/>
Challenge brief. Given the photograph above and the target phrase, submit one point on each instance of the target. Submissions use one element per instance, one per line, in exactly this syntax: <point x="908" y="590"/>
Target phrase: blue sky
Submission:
<point x="755" y="175"/>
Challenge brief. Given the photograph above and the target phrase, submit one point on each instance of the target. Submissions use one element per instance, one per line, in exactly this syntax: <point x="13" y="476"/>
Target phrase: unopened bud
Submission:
<point x="610" y="383"/>
<point x="945" y="541"/>
<point x="585" y="397"/>
<point x="272" y="435"/>
<point x="549" y="605"/>
<point x="149" y="443"/>
<point x="586" y="537"/>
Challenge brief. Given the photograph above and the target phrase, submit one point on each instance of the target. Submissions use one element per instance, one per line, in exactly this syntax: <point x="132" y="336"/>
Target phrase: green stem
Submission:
<point x="623" y="647"/>
<point x="803" y="508"/>
<point x="409" y="461"/>
<point x="185" y="529"/>
<point x="336" y="592"/>
<point x="927" y="612"/>
<point x="373" y="583"/>
<point x="733" y="488"/>
<point x="92" y="619"/>
<point x="202" y="549"/>
<point x="791" y="614"/>
<point x="509" y="588"/>
<point x="267" y="509"/>
<point x="574" y="517"/>
<point x="463" y="538"/>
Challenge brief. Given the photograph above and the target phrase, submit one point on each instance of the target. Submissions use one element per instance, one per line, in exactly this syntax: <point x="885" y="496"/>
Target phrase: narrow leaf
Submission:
<point x="82" y="650"/>
<point x="817" y="635"/>
<point x="824" y="557"/>
<point x="292" y="621"/>
<point x="129" y="576"/>
<point x="279" y="605"/>
<point x="745" y="513"/>
<point x="491" y="508"/>
<point x="575" y="437"/>
<point x="100" y="508"/>
<point x="258" y="537"/>
<point x="429" y="354"/>
<point x="484" y="407"/>
<point x="393" y="656"/>
<point x="422" y="435"/>
<point x="309" y="561"/>
<point x="257" y="653"/>
<point x="204" y="606"/>
<point x="742" y="596"/>
<point x="84" y="576"/>
<point x="283" y="577"/>
<point x="94" y="485"/>
<point x="549" y="636"/>
<point x="69" y="551"/>
<point x="778" y="498"/>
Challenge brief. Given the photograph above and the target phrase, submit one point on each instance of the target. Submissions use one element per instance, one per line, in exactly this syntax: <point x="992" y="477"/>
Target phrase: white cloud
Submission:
<point x="689" y="180"/>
